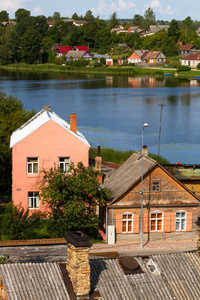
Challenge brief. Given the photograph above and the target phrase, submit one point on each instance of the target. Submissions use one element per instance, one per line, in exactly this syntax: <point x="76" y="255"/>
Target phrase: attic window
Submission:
<point x="156" y="186"/>
<point x="129" y="265"/>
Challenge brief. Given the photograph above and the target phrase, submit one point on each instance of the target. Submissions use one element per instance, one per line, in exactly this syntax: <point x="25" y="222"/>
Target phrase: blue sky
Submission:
<point x="164" y="9"/>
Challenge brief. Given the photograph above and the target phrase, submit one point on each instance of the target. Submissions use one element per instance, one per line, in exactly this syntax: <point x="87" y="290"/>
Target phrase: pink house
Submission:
<point x="43" y="142"/>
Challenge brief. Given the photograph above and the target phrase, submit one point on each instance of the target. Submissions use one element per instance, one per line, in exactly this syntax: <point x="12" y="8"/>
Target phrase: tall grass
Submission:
<point x="118" y="157"/>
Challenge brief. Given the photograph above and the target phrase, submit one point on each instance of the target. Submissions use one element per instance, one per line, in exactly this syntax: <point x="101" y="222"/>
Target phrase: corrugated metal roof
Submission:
<point x="37" y="121"/>
<point x="128" y="174"/>
<point x="33" y="281"/>
<point x="169" y="276"/>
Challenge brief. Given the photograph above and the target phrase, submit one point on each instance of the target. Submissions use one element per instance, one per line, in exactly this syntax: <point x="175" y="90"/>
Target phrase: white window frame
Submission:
<point x="180" y="220"/>
<point x="157" y="219"/>
<point x="33" y="200"/>
<point x="31" y="164"/>
<point x="127" y="222"/>
<point x="64" y="165"/>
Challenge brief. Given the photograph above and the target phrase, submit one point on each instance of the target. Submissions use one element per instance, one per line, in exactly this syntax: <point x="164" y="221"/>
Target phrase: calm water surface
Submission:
<point x="112" y="110"/>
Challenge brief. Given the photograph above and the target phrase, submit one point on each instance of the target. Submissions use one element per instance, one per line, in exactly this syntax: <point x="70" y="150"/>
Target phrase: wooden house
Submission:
<point x="154" y="58"/>
<point x="170" y="208"/>
<point x="137" y="56"/>
<point x="186" y="49"/>
<point x="191" y="60"/>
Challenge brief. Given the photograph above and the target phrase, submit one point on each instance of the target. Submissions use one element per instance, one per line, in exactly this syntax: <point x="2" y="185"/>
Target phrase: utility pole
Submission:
<point x="161" y="107"/>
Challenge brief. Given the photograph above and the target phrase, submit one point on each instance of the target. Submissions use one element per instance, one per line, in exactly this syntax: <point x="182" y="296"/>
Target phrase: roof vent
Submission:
<point x="130" y="265"/>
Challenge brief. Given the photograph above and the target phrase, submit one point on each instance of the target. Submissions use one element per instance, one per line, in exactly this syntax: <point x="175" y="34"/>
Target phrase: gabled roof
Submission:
<point x="77" y="54"/>
<point x="37" y="121"/>
<point x="156" y="28"/>
<point x="186" y="47"/>
<point x="153" y="54"/>
<point x="82" y="48"/>
<point x="140" y="53"/>
<point x="128" y="174"/>
<point x="63" y="49"/>
<point x="192" y="56"/>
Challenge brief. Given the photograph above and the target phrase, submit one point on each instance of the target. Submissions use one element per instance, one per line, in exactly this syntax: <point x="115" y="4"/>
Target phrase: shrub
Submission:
<point x="96" y="65"/>
<point x="183" y="68"/>
<point x="198" y="66"/>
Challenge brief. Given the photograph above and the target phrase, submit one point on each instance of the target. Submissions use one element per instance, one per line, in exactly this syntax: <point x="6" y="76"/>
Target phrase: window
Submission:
<point x="64" y="164"/>
<point x="33" y="200"/>
<point x="32" y="165"/>
<point x="180" y="220"/>
<point x="127" y="222"/>
<point x="156" y="186"/>
<point x="156" y="221"/>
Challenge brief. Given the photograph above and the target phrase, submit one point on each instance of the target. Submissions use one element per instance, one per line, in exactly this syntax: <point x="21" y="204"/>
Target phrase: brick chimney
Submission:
<point x="98" y="160"/>
<point x="77" y="264"/>
<point x="73" y="123"/>
<point x="145" y="150"/>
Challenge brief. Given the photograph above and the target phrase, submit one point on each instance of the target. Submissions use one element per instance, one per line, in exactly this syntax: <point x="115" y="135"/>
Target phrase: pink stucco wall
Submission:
<point x="48" y="143"/>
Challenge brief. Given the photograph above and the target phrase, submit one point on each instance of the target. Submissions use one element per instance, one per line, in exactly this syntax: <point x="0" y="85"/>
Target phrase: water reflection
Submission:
<point x="111" y="110"/>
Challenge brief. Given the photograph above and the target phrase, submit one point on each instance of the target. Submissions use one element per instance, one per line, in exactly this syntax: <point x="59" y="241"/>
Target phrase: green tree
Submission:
<point x="149" y="18"/>
<point x="173" y="30"/>
<point x="22" y="13"/>
<point x="72" y="198"/>
<point x="12" y="116"/>
<point x="75" y="17"/>
<point x="9" y="46"/>
<point x="4" y="16"/>
<point x="56" y="16"/>
<point x="138" y="20"/>
<point x="89" y="16"/>
<point x="113" y="21"/>
<point x="30" y="46"/>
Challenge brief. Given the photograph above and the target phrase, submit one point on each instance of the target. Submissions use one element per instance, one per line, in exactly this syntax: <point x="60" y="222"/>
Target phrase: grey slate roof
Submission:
<point x="165" y="277"/>
<point x="75" y="54"/>
<point x="128" y="174"/>
<point x="33" y="281"/>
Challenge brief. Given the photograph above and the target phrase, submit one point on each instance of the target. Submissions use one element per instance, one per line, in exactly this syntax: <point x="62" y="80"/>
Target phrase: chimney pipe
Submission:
<point x="145" y="150"/>
<point x="73" y="123"/>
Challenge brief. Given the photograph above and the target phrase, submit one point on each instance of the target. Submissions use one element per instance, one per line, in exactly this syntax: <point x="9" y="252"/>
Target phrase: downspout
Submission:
<point x="106" y="224"/>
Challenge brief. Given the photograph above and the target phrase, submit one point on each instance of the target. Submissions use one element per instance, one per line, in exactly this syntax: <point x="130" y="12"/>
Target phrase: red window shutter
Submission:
<point x="136" y="223"/>
<point x="167" y="221"/>
<point x="173" y="221"/>
<point x="189" y="221"/>
<point x="118" y="223"/>
<point x="146" y="222"/>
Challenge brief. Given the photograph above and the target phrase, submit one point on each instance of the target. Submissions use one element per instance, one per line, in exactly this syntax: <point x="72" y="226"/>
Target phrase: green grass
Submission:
<point x="118" y="157"/>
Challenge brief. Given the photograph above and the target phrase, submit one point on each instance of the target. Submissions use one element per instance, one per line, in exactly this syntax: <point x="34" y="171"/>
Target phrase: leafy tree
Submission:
<point x="22" y="13"/>
<point x="4" y="16"/>
<point x="72" y="198"/>
<point x="17" y="224"/>
<point x="56" y="16"/>
<point x="149" y="18"/>
<point x="113" y="22"/>
<point x="12" y="116"/>
<point x="138" y="20"/>
<point x="173" y="30"/>
<point x="89" y="16"/>
<point x="75" y="17"/>
<point x="30" y="46"/>
<point x="9" y="47"/>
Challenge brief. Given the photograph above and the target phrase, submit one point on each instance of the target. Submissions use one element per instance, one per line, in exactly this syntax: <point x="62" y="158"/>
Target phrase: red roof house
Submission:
<point x="81" y="48"/>
<point x="63" y="49"/>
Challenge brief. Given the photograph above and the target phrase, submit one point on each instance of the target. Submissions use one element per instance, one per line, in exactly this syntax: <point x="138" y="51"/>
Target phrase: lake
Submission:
<point x="111" y="111"/>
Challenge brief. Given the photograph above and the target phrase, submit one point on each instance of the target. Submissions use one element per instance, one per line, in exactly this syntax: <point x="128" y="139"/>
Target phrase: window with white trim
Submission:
<point x="33" y="200"/>
<point x="64" y="164"/>
<point x="127" y="223"/>
<point x="32" y="165"/>
<point x="156" y="221"/>
<point x="180" y="220"/>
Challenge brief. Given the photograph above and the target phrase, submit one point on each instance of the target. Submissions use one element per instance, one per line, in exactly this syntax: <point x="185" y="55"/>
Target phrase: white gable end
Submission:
<point x="37" y="121"/>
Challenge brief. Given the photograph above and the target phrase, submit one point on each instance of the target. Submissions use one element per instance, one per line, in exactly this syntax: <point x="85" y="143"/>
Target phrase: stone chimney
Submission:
<point x="145" y="150"/>
<point x="98" y="160"/>
<point x="77" y="264"/>
<point x="73" y="123"/>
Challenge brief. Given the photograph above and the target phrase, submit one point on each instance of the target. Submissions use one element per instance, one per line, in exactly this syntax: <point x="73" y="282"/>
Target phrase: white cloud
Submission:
<point x="155" y="4"/>
<point x="11" y="6"/>
<point x="157" y="7"/>
<point x="37" y="11"/>
<point x="120" y="7"/>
